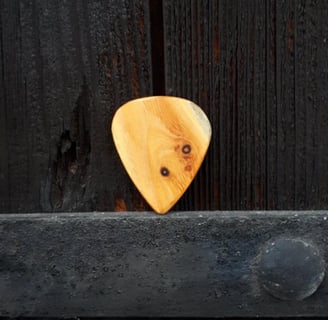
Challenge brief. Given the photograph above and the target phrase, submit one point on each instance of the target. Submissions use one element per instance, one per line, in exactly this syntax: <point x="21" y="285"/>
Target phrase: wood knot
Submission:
<point x="186" y="148"/>
<point x="165" y="171"/>
<point x="188" y="167"/>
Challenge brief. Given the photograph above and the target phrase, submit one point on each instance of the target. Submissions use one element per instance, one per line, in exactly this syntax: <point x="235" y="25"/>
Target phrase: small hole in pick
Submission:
<point x="165" y="171"/>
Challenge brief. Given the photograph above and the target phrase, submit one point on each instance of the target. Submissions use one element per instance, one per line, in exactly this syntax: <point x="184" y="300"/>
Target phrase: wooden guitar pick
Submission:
<point x="162" y="142"/>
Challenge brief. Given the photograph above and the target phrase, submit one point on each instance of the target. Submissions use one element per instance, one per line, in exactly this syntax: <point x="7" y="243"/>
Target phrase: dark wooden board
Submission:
<point x="186" y="264"/>
<point x="65" y="67"/>
<point x="259" y="70"/>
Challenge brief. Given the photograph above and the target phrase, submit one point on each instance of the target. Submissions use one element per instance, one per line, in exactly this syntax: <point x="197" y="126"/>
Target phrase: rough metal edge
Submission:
<point x="176" y="214"/>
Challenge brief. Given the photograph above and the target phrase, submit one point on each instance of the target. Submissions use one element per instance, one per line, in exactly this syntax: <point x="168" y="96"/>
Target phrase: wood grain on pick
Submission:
<point x="162" y="142"/>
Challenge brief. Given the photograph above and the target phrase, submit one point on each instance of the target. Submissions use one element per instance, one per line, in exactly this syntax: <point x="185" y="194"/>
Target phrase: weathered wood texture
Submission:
<point x="187" y="264"/>
<point x="65" y="67"/>
<point x="259" y="70"/>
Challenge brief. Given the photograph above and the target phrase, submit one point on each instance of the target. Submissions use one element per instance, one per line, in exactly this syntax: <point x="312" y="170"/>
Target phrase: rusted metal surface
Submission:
<point x="186" y="264"/>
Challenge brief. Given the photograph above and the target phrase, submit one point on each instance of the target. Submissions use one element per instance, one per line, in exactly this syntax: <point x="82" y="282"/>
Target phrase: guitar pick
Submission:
<point x="162" y="142"/>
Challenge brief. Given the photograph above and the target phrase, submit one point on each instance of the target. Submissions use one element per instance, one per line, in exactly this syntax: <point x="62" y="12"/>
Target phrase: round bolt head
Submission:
<point x="290" y="269"/>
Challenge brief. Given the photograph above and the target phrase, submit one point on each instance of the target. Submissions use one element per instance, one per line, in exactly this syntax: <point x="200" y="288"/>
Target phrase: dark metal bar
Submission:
<point x="190" y="264"/>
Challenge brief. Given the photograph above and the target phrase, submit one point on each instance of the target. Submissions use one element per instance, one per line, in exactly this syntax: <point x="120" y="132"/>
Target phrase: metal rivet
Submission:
<point x="290" y="269"/>
<point x="186" y="148"/>
<point x="165" y="171"/>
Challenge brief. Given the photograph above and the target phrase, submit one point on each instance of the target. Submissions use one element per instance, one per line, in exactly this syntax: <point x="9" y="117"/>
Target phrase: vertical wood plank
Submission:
<point x="284" y="108"/>
<point x="66" y="67"/>
<point x="297" y="113"/>
<point x="4" y="179"/>
<point x="218" y="60"/>
<point x="14" y="142"/>
<point x="258" y="69"/>
<point x="271" y="105"/>
<point x="314" y="85"/>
